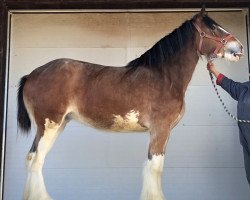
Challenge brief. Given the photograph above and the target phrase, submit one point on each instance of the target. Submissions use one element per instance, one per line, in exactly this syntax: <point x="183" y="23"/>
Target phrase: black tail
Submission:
<point x="23" y="119"/>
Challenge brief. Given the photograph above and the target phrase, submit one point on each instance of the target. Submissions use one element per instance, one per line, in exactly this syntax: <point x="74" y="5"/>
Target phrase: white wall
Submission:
<point x="204" y="158"/>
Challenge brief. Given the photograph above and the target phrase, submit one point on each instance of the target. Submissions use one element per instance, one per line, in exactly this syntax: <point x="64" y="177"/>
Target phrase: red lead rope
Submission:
<point x="222" y="41"/>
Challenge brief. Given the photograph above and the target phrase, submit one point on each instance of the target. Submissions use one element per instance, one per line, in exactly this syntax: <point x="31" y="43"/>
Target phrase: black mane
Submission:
<point x="165" y="49"/>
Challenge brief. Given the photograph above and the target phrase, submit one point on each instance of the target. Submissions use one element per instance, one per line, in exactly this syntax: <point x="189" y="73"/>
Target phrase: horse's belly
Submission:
<point x="130" y="122"/>
<point x="117" y="123"/>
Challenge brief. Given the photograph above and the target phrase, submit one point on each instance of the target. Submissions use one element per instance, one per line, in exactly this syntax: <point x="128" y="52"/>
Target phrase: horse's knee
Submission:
<point x="158" y="142"/>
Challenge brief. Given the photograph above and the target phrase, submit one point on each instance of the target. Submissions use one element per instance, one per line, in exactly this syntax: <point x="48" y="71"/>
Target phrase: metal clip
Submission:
<point x="202" y="34"/>
<point x="223" y="41"/>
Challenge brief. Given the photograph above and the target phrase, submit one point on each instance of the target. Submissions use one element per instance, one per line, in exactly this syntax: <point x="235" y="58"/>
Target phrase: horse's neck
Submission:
<point x="183" y="67"/>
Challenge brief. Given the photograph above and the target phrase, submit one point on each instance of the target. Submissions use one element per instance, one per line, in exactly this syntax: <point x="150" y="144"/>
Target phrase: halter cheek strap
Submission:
<point x="221" y="41"/>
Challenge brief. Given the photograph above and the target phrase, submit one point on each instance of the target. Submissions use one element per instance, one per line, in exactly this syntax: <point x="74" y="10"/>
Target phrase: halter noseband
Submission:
<point x="222" y="41"/>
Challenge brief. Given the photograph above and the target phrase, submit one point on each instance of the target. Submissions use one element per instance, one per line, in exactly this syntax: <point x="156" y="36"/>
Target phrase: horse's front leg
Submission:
<point x="153" y="168"/>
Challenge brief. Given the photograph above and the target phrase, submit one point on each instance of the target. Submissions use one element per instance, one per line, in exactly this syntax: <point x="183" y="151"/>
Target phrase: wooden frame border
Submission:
<point x="3" y="53"/>
<point x="6" y="6"/>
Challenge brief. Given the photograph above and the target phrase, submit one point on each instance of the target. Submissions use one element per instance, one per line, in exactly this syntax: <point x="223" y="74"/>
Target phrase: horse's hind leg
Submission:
<point x="35" y="188"/>
<point x="153" y="168"/>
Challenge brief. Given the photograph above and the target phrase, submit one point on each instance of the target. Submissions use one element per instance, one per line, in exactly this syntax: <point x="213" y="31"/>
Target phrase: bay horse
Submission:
<point x="146" y="95"/>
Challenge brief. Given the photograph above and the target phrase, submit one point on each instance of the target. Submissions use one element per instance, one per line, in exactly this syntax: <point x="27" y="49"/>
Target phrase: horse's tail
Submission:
<point x="23" y="119"/>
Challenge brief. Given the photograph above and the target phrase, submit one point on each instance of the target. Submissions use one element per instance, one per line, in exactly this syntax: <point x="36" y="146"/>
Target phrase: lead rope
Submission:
<point x="223" y="104"/>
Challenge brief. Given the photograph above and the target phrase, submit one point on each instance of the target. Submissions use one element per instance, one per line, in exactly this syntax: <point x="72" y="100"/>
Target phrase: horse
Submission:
<point x="146" y="95"/>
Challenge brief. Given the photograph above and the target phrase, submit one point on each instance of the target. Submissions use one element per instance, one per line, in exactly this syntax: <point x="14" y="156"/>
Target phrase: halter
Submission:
<point x="221" y="41"/>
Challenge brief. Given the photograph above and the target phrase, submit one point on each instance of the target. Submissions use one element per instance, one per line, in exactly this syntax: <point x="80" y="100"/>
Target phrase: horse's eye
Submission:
<point x="213" y="27"/>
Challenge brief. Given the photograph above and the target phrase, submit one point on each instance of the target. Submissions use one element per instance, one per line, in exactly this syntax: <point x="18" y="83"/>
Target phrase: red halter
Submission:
<point x="222" y="41"/>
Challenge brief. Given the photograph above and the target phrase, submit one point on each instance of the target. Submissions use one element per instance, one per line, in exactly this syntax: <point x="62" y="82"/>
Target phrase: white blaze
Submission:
<point x="222" y="29"/>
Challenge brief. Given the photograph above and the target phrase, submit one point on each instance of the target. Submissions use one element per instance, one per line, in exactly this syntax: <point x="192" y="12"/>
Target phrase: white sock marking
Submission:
<point x="35" y="188"/>
<point x="152" y="179"/>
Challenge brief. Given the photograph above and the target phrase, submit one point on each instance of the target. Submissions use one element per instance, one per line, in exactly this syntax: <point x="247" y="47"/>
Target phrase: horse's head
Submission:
<point x="213" y="41"/>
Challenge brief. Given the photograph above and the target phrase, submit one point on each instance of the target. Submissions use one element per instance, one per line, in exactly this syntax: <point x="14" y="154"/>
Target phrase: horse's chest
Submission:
<point x="179" y="116"/>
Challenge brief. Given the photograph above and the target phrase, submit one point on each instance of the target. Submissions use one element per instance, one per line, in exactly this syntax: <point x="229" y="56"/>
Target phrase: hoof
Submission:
<point x="152" y="197"/>
<point x="38" y="198"/>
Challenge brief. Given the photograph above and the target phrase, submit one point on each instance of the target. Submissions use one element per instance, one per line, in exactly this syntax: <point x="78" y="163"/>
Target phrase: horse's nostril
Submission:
<point x="238" y="54"/>
<point x="242" y="50"/>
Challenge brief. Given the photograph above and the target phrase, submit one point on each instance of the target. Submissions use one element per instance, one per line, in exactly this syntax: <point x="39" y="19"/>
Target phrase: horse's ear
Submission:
<point x="203" y="11"/>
